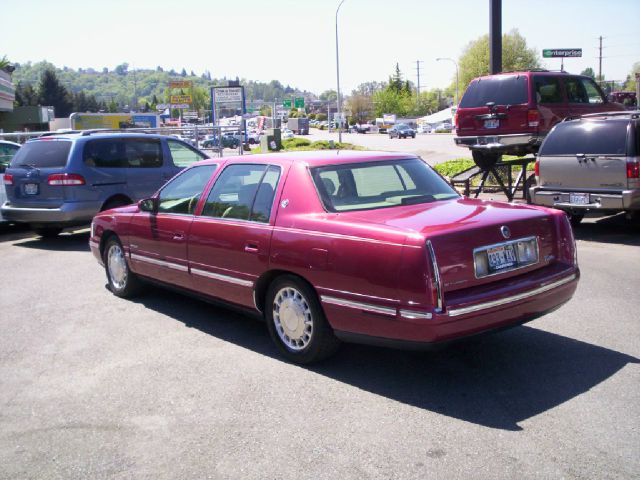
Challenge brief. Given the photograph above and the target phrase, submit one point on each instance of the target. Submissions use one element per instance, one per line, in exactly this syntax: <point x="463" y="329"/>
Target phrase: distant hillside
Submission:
<point x="121" y="84"/>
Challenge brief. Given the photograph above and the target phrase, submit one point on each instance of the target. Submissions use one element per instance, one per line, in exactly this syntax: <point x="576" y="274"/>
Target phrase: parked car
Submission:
<point x="64" y="180"/>
<point x="7" y="151"/>
<point x="511" y="113"/>
<point x="402" y="130"/>
<point x="444" y="127"/>
<point x="226" y="140"/>
<point x="424" y="128"/>
<point x="286" y="133"/>
<point x="591" y="164"/>
<point x="360" y="128"/>
<point x="342" y="245"/>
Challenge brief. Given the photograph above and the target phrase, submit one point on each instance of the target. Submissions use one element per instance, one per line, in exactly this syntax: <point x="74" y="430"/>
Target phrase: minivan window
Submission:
<point x="593" y="94"/>
<point x="183" y="155"/>
<point x="123" y="153"/>
<point x="43" y="154"/>
<point x="501" y="90"/>
<point x="588" y="137"/>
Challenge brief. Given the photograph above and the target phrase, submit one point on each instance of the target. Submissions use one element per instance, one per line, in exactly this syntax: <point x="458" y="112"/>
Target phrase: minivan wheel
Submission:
<point x="47" y="232"/>
<point x="122" y="281"/>
<point x="485" y="160"/>
<point x="297" y="323"/>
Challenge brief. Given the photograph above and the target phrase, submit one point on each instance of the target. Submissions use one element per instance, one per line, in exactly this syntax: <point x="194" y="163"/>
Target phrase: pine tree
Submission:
<point x="52" y="93"/>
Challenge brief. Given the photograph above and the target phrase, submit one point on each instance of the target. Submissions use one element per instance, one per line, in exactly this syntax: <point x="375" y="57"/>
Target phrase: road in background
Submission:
<point x="165" y="386"/>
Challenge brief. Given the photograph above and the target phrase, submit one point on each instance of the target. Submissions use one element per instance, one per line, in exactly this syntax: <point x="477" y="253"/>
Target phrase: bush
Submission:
<point x="295" y="142"/>
<point x="451" y="168"/>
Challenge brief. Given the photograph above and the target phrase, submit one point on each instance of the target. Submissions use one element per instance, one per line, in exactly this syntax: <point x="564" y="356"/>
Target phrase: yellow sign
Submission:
<point x="181" y="99"/>
<point x="180" y="84"/>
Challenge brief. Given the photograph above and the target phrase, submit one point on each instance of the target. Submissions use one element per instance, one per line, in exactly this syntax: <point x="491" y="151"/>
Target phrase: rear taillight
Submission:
<point x="455" y="120"/>
<point x="533" y="118"/>
<point x="536" y="168"/>
<point x="66" y="179"/>
<point x="8" y="179"/>
<point x="633" y="169"/>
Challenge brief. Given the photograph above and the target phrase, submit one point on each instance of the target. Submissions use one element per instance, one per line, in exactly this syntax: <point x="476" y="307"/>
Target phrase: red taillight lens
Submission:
<point x="536" y="168"/>
<point x="533" y="118"/>
<point x="66" y="179"/>
<point x="633" y="169"/>
<point x="8" y="179"/>
<point x="455" y="120"/>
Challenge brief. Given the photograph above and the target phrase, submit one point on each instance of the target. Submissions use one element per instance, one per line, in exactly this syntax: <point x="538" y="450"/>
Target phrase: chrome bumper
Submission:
<point x="497" y="142"/>
<point x="622" y="200"/>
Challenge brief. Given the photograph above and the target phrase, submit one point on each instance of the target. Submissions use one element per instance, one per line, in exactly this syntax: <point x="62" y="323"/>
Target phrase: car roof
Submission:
<point x="7" y="142"/>
<point x="316" y="158"/>
<point x="527" y="73"/>
<point x="93" y="134"/>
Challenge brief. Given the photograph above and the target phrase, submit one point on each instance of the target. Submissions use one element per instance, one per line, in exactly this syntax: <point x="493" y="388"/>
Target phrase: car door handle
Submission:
<point x="251" y="247"/>
<point x="178" y="236"/>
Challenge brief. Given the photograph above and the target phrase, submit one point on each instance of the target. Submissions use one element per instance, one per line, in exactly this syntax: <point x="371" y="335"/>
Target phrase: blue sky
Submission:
<point x="294" y="41"/>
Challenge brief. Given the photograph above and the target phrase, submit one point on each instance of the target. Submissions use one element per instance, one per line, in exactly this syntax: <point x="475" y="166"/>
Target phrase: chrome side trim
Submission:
<point x="222" y="278"/>
<point x="436" y="274"/>
<point x="161" y="263"/>
<point x="514" y="298"/>
<point x="367" y="307"/>
<point x="412" y="314"/>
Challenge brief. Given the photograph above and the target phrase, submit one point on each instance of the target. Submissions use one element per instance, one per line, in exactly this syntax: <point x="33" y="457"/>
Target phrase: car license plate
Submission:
<point x="31" y="188"/>
<point x="495" y="123"/>
<point x="579" y="198"/>
<point x="501" y="257"/>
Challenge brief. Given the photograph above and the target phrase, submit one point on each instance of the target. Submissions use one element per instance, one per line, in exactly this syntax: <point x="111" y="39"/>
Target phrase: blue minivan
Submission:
<point x="63" y="180"/>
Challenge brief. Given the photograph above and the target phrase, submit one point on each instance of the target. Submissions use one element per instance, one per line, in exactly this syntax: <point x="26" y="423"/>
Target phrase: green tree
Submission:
<point x="183" y="73"/>
<point x="122" y="69"/>
<point x="52" y="93"/>
<point x="26" y="95"/>
<point x="361" y="108"/>
<point x="112" y="107"/>
<point x="329" y="96"/>
<point x="516" y="56"/>
<point x="395" y="81"/>
<point x="631" y="78"/>
<point x="589" y="72"/>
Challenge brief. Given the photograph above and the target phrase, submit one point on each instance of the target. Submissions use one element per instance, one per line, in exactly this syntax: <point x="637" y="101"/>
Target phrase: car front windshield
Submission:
<point x="379" y="184"/>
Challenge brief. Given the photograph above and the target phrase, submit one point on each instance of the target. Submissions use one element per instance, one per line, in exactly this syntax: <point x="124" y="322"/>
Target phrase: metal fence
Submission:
<point x="214" y="137"/>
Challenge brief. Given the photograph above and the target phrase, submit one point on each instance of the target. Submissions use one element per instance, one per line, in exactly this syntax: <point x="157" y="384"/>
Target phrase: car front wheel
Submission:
<point x="297" y="323"/>
<point x="122" y="281"/>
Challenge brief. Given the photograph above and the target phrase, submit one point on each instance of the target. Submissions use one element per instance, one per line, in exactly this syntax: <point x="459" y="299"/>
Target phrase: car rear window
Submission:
<point x="366" y="186"/>
<point x="588" y="137"/>
<point x="43" y="154"/>
<point x="501" y="90"/>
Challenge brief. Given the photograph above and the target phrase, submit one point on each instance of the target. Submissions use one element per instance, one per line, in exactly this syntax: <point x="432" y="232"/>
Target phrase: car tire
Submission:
<point x="113" y="203"/>
<point x="575" y="218"/>
<point x="297" y="323"/>
<point x="528" y="183"/>
<point x="47" y="232"/>
<point x="390" y="136"/>
<point x="121" y="280"/>
<point x="485" y="160"/>
<point x="413" y="136"/>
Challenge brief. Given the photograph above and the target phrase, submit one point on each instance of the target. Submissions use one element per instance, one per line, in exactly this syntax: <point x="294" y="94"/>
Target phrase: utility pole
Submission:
<point x="418" y="62"/>
<point x="495" y="36"/>
<point x="600" y="61"/>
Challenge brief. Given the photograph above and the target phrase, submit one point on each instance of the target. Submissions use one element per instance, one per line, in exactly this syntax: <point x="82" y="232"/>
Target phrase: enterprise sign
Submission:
<point x="561" y="52"/>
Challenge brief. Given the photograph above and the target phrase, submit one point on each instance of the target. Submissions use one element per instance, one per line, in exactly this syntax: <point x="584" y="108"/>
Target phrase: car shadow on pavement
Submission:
<point x="614" y="229"/>
<point x="495" y="381"/>
<point x="77" y="241"/>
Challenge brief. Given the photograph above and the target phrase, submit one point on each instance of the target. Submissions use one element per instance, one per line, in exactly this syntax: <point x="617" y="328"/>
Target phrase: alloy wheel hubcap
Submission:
<point x="292" y="318"/>
<point x="117" y="267"/>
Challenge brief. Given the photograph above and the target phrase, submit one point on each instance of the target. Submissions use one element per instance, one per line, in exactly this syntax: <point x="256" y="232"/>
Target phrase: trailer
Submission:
<point x="299" y="126"/>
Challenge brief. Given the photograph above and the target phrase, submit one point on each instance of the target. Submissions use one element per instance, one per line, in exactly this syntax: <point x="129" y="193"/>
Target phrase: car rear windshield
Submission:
<point x="588" y="137"/>
<point x="501" y="90"/>
<point x="43" y="154"/>
<point x="371" y="185"/>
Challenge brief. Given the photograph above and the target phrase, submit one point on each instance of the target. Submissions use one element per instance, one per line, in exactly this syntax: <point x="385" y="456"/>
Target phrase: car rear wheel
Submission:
<point x="122" y="281"/>
<point x="297" y="323"/>
<point x="485" y="160"/>
<point x="47" y="232"/>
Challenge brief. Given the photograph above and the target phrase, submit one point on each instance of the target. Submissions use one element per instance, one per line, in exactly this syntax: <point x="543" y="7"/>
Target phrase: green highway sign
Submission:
<point x="286" y="103"/>
<point x="299" y="102"/>
<point x="561" y="52"/>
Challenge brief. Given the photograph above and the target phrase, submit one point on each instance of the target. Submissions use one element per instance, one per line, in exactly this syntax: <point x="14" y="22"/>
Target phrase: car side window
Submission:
<point x="183" y="155"/>
<point x="181" y="194"/>
<point x="104" y="153"/>
<point x="143" y="153"/>
<point x="592" y="91"/>
<point x="6" y="154"/>
<point x="547" y="90"/>
<point x="575" y="91"/>
<point x="244" y="192"/>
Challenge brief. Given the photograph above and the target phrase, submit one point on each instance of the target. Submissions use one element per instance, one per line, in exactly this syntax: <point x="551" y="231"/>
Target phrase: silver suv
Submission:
<point x="591" y="164"/>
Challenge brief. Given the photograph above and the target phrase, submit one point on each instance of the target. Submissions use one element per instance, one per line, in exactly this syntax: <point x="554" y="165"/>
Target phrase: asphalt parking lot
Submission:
<point x="93" y="386"/>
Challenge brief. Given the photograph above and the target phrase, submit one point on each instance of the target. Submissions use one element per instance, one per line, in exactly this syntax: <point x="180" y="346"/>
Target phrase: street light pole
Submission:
<point x="457" y="81"/>
<point x="338" y="78"/>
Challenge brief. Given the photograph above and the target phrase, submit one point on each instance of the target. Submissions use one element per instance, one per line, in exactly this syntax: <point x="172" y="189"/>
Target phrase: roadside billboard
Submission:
<point x="87" y="121"/>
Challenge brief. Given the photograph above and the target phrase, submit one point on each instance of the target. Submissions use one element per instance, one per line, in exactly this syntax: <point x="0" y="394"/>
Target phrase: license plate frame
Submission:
<point x="579" y="199"/>
<point x="501" y="258"/>
<point x="491" y="123"/>
<point x="31" y="188"/>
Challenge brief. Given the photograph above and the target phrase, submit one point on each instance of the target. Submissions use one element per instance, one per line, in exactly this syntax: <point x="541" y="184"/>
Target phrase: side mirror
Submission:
<point x="148" y="205"/>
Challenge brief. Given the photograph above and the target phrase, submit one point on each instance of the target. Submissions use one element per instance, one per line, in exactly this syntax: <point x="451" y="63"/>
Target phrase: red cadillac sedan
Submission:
<point x="370" y="247"/>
